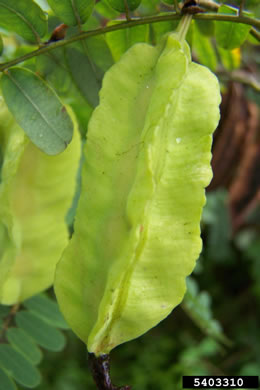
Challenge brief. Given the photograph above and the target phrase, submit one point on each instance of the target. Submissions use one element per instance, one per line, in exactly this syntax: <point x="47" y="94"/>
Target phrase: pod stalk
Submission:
<point x="183" y="26"/>
<point x="100" y="370"/>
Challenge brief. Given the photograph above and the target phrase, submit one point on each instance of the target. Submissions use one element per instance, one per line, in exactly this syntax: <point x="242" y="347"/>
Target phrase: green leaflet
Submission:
<point x="37" y="109"/>
<point x="36" y="192"/>
<point x="147" y="161"/>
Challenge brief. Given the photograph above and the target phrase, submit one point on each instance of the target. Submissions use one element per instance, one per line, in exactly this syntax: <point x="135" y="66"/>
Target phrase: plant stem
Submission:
<point x="255" y="33"/>
<point x="100" y="370"/>
<point x="176" y="6"/>
<point x="127" y="24"/>
<point x="183" y="26"/>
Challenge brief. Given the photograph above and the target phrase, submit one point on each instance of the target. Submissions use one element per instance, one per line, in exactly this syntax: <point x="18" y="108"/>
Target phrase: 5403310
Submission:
<point x="220" y="382"/>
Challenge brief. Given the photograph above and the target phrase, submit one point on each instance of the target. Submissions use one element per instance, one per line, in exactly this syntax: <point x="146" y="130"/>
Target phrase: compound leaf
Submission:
<point x="46" y="309"/>
<point x="44" y="334"/>
<point x="19" y="367"/>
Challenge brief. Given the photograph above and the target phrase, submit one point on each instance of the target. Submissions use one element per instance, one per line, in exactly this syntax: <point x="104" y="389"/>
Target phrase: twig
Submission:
<point x="134" y="22"/>
<point x="176" y="6"/>
<point x="127" y="12"/>
<point x="255" y="33"/>
<point x="8" y="320"/>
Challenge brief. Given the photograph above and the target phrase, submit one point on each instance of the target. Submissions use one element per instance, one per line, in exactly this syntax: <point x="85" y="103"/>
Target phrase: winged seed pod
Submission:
<point x="147" y="162"/>
<point x="36" y="191"/>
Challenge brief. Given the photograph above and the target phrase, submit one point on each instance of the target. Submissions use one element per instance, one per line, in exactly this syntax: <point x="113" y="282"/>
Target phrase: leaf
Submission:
<point x="23" y="343"/>
<point x="35" y="193"/>
<point x="121" y="40"/>
<point x="24" y="18"/>
<point x="44" y="334"/>
<point x="72" y="12"/>
<point x="85" y="75"/>
<point x="104" y="9"/>
<point x="19" y="367"/>
<point x="147" y="161"/>
<point x="5" y="382"/>
<point x="119" y="5"/>
<point x="230" y="35"/>
<point x="47" y="310"/>
<point x="203" y="49"/>
<point x="206" y="27"/>
<point x="38" y="110"/>
<point x="99" y="52"/>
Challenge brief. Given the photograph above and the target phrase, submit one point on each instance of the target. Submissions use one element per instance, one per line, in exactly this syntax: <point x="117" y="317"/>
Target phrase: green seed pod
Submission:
<point x="147" y="162"/>
<point x="36" y="191"/>
<point x="120" y="5"/>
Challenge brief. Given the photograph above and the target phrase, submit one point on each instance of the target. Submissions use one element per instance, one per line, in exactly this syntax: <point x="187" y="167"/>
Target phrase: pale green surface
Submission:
<point x="137" y="231"/>
<point x="25" y="18"/>
<point x="35" y="194"/>
<point x="12" y="143"/>
<point x="37" y="109"/>
<point x="72" y="12"/>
